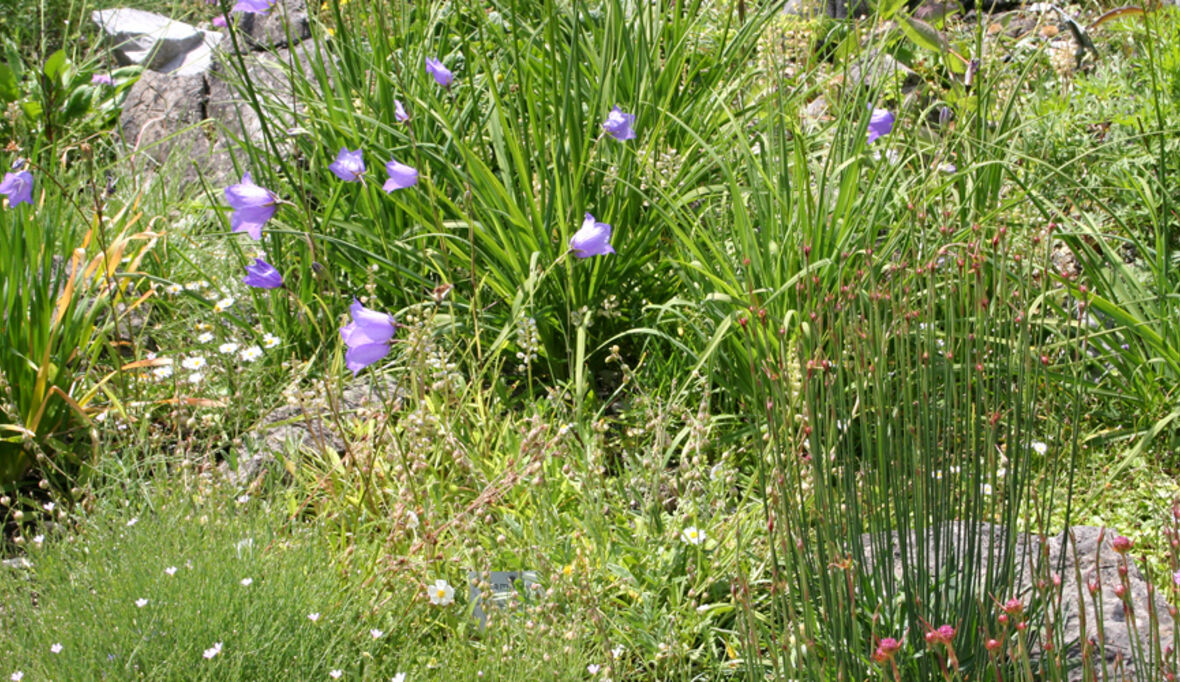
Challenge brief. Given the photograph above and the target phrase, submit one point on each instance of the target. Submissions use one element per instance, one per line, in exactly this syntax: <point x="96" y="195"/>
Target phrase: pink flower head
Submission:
<point x="441" y="74"/>
<point x="1121" y="544"/>
<point x="592" y="240"/>
<point x="101" y="79"/>
<point x="401" y="176"/>
<point x="18" y="187"/>
<point x="348" y="166"/>
<point x="618" y="125"/>
<point x="220" y="21"/>
<point x="1013" y="607"/>
<point x="253" y="206"/>
<point x="367" y="337"/>
<point x="886" y="649"/>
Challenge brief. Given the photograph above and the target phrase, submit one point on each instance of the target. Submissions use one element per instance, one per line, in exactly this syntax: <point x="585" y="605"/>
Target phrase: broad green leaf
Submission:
<point x="32" y="108"/>
<point x="9" y="88"/>
<point x="924" y="34"/>
<point x="78" y="103"/>
<point x="56" y="64"/>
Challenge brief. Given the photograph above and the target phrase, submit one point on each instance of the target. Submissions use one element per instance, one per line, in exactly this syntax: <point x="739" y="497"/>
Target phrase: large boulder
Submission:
<point x="156" y="42"/>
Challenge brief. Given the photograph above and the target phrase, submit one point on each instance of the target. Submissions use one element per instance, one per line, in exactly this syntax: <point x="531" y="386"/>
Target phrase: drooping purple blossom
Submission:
<point x="618" y="124"/>
<point x="399" y="111"/>
<point x="592" y="240"/>
<point x="367" y="337"/>
<point x="18" y="187"/>
<point x="253" y="6"/>
<point x="442" y="75"/>
<point x="401" y="176"/>
<point x="880" y="123"/>
<point x="220" y="21"/>
<point x="262" y="275"/>
<point x="348" y="166"/>
<point x="253" y="206"/>
<point x="101" y="79"/>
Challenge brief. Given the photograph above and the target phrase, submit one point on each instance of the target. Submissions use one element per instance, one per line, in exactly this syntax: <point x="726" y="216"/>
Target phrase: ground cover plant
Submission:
<point x="743" y="359"/>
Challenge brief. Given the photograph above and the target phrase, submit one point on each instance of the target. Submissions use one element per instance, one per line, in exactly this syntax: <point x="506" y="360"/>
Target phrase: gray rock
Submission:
<point x="156" y="42"/>
<point x="836" y="9"/>
<point x="1081" y="554"/>
<point x="159" y="116"/>
<point x="293" y="429"/>
<point x="285" y="25"/>
<point x="878" y="70"/>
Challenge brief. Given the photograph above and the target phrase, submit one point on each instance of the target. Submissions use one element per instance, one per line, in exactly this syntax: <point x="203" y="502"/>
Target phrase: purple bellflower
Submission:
<point x="262" y="275"/>
<point x="18" y="187"/>
<point x="253" y="206"/>
<point x="401" y="176"/>
<point x="592" y="240"/>
<point x="442" y="75"/>
<point x="618" y="124"/>
<point x="348" y="166"/>
<point x="253" y="6"/>
<point x="101" y="79"/>
<point x="880" y="123"/>
<point x="219" y="21"/>
<point x="399" y="112"/>
<point x="367" y="337"/>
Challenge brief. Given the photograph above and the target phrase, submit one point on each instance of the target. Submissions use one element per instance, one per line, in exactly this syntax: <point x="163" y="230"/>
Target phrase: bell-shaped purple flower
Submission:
<point x="592" y="240"/>
<point x="401" y="176"/>
<point x="618" y="124"/>
<point x="101" y="79"/>
<point x="441" y="74"/>
<point x="220" y="21"/>
<point x="253" y="206"/>
<point x="399" y="112"/>
<point x="253" y="6"/>
<point x="348" y="166"/>
<point x="880" y="123"/>
<point x="367" y="337"/>
<point x="18" y="187"/>
<point x="262" y="275"/>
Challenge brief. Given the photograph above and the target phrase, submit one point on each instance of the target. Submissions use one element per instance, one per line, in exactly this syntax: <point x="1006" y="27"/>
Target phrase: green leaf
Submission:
<point x="56" y="64"/>
<point x="9" y="88"/>
<point x="924" y="34"/>
<point x="32" y="108"/>
<point x="78" y="103"/>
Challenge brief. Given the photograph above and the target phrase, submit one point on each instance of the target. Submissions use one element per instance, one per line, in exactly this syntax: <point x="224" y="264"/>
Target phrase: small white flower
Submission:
<point x="987" y="488"/>
<point x="213" y="651"/>
<point x="56" y="648"/>
<point x="228" y="348"/>
<point x="411" y="520"/>
<point x="693" y="535"/>
<point x="171" y="570"/>
<point x="173" y="289"/>
<point x="17" y="676"/>
<point x="1001" y="472"/>
<point x="251" y="354"/>
<point x="38" y="539"/>
<point x="336" y="674"/>
<point x="375" y="633"/>
<point x="246" y="582"/>
<point x="955" y="470"/>
<point x="400" y="677"/>
<point x="243" y="499"/>
<point x="197" y="362"/>
<point x="134" y="520"/>
<point x="617" y="651"/>
<point x="715" y="471"/>
<point x="140" y="603"/>
<point x="223" y="305"/>
<point x="937" y="475"/>
<point x="196" y="377"/>
<point x="441" y="593"/>
<point x="48" y="506"/>
<point x="592" y="669"/>
<point x="205" y="337"/>
<point x="162" y="372"/>
<point x="1040" y="447"/>
<point x="270" y="340"/>
<point x="196" y="286"/>
<point x="313" y="617"/>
